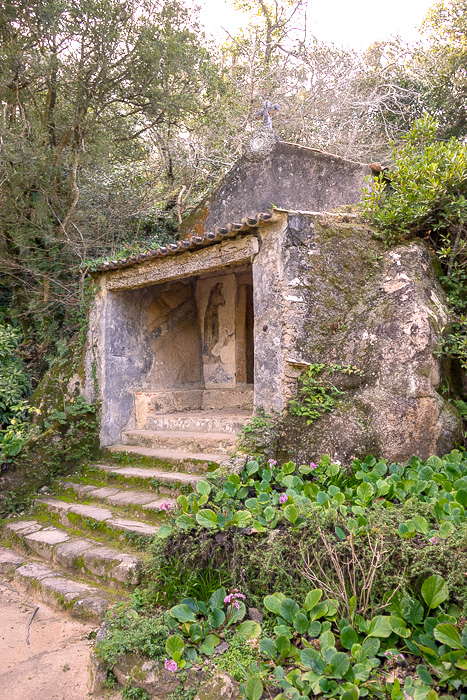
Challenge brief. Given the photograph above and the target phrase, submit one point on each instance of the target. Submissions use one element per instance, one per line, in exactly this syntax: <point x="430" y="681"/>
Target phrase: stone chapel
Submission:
<point x="269" y="275"/>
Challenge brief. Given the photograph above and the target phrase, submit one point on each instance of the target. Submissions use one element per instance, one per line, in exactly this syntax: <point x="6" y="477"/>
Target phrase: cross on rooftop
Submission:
<point x="267" y="107"/>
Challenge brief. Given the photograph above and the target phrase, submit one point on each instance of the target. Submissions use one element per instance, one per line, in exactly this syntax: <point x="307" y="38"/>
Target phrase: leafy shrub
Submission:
<point x="427" y="191"/>
<point x="427" y="197"/>
<point x="129" y="631"/>
<point x="314" y="651"/>
<point x="272" y="496"/>
<point x="14" y="382"/>
<point x="316" y="393"/>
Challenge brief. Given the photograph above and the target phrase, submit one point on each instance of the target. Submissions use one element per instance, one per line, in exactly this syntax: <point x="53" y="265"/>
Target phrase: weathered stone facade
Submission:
<point x="245" y="309"/>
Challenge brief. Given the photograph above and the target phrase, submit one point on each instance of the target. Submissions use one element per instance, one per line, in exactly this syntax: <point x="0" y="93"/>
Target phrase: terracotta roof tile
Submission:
<point x="219" y="234"/>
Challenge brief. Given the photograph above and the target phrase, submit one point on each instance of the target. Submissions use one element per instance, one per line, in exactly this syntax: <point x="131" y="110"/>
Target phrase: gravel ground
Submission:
<point x="54" y="664"/>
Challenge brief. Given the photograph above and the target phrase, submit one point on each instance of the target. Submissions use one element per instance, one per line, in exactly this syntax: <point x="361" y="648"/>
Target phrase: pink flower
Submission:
<point x="171" y="665"/>
<point x="232" y="598"/>
<point x="272" y="462"/>
<point x="283" y="498"/>
<point x="434" y="540"/>
<point x="165" y="505"/>
<point x="313" y="465"/>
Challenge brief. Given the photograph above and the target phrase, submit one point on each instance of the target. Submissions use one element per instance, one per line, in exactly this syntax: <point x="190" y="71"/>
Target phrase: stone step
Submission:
<point x="188" y="441"/>
<point x="132" y="499"/>
<point x="86" y="517"/>
<point x="199" y="421"/>
<point x="43" y="583"/>
<point x="85" y="557"/>
<point x="238" y="398"/>
<point x="178" y="460"/>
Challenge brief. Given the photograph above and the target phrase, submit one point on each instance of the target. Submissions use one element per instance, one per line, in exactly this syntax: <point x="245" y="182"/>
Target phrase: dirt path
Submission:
<point x="54" y="665"/>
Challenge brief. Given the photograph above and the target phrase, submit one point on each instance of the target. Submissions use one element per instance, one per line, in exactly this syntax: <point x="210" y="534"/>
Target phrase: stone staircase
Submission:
<point x="188" y="426"/>
<point x="85" y="547"/>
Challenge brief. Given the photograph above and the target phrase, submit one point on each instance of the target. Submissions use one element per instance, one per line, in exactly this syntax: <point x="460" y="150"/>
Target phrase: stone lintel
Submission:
<point x="233" y="251"/>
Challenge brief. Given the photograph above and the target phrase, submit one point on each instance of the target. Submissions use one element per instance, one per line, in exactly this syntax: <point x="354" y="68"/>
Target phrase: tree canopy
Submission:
<point x="117" y="117"/>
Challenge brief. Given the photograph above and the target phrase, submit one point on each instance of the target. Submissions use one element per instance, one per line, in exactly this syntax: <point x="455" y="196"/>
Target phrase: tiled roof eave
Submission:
<point x="220" y="233"/>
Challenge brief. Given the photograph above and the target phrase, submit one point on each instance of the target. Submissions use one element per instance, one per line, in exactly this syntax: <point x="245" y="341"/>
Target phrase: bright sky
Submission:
<point x="351" y="23"/>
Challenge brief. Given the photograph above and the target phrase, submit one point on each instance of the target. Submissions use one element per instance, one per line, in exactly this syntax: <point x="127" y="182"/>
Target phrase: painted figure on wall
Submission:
<point x="211" y="318"/>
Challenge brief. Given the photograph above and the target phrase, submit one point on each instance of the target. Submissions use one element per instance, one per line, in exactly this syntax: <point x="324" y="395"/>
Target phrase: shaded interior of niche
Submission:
<point x="193" y="333"/>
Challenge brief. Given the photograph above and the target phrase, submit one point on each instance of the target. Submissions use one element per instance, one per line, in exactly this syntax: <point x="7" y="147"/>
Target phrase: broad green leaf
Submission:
<point x="217" y="598"/>
<point x="174" y="644"/>
<point x="412" y="610"/>
<point x="371" y="647"/>
<point x="288" y="609"/>
<point x="230" y="489"/>
<point x="398" y="626"/>
<point x="273" y="604"/>
<point x="379" y="627"/>
<point x="424" y="674"/>
<point x="182" y="613"/>
<point x="203" y="487"/>
<point x="421" y="524"/>
<point x="249" y="629"/>
<point x="186" y="522"/>
<point x="253" y="688"/>
<point x="196" y="633"/>
<point x="318" y="611"/>
<point x="339" y="664"/>
<point x="349" y="637"/>
<point x="446" y="530"/>
<point x="269" y="513"/>
<point x="207" y="518"/>
<point x="291" y="513"/>
<point x="267" y="647"/>
<point x="340" y="533"/>
<point x="237" y="614"/>
<point x="314" y="630"/>
<point x="209" y="645"/>
<point x="242" y="518"/>
<point x="300" y="622"/>
<point x="217" y="617"/>
<point x="283" y="646"/>
<point x="183" y="503"/>
<point x="435" y="463"/>
<point x="310" y="658"/>
<point x="434" y="591"/>
<point x="365" y="491"/>
<point x="312" y="598"/>
<point x="327" y="640"/>
<point x="164" y="531"/>
<point x="449" y="635"/>
<point x="252" y="467"/>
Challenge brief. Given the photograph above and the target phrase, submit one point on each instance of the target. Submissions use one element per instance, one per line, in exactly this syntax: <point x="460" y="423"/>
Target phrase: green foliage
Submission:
<point x="428" y="187"/>
<point x="260" y="434"/>
<point x="83" y="82"/>
<point x="427" y="197"/>
<point x="316" y="393"/>
<point x="238" y="657"/>
<point x="14" y="382"/>
<point x="130" y="692"/>
<point x="313" y="651"/>
<point x="201" y="624"/>
<point x="265" y="498"/>
<point x="172" y="581"/>
<point x="50" y="449"/>
<point x="130" y="631"/>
